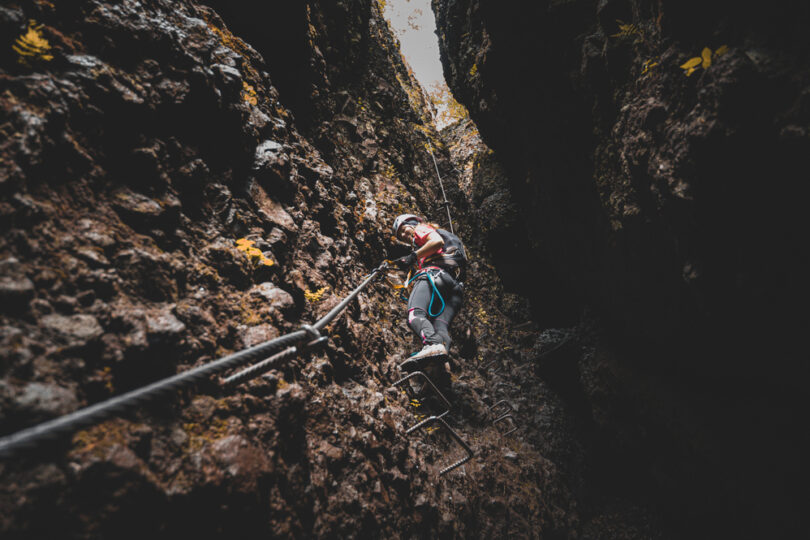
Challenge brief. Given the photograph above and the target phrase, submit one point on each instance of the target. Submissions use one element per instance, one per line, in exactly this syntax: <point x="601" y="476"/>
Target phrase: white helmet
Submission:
<point x="403" y="219"/>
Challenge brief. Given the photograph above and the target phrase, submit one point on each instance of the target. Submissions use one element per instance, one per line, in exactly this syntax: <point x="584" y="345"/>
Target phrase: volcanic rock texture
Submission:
<point x="176" y="186"/>
<point x="658" y="152"/>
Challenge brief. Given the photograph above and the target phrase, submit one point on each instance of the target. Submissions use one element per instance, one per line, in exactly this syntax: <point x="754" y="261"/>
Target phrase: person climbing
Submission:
<point x="439" y="261"/>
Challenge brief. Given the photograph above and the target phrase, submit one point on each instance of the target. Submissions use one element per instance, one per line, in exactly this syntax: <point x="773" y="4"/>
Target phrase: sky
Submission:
<point x="415" y="26"/>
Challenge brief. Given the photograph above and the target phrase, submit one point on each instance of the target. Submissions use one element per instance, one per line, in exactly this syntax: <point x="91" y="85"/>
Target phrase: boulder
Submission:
<point x="79" y="326"/>
<point x="276" y="297"/>
<point x="46" y="400"/>
<point x="15" y="287"/>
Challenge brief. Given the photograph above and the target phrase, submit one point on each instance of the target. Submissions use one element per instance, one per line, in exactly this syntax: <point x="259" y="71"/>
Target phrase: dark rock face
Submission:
<point x="650" y="180"/>
<point x="172" y="193"/>
<point x="181" y="181"/>
<point x="671" y="203"/>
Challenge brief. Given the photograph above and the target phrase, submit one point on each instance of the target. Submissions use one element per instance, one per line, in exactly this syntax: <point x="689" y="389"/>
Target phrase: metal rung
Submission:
<point x="504" y="417"/>
<point x="453" y="434"/>
<point x="502" y="403"/>
<point x="408" y="377"/>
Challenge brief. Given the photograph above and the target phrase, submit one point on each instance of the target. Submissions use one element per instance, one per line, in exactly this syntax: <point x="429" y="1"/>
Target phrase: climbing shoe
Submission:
<point x="433" y="349"/>
<point x="429" y="354"/>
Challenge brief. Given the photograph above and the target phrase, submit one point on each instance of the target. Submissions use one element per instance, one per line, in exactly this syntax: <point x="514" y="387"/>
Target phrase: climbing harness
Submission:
<point x="433" y="293"/>
<point x="35" y="436"/>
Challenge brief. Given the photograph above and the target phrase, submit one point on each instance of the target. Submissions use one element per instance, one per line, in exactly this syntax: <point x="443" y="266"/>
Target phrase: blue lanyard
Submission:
<point x="433" y="293"/>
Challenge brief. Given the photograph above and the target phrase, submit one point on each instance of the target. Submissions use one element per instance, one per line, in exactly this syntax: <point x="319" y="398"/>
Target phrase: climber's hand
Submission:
<point x="407" y="261"/>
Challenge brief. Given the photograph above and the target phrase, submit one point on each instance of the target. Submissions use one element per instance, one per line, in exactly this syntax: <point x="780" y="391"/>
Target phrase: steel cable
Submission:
<point x="446" y="203"/>
<point x="262" y="367"/>
<point x="34" y="436"/>
<point x="326" y="319"/>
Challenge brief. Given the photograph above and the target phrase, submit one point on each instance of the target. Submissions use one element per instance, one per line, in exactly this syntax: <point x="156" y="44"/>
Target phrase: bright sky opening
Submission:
<point x="414" y="25"/>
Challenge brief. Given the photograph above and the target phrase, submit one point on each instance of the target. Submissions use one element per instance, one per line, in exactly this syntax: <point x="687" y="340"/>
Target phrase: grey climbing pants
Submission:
<point x="434" y="329"/>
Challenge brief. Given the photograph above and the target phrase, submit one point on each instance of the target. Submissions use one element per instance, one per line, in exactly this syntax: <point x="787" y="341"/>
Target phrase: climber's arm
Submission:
<point x="434" y="243"/>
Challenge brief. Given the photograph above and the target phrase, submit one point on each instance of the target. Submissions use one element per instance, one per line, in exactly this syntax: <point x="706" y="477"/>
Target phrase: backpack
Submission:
<point x="453" y="257"/>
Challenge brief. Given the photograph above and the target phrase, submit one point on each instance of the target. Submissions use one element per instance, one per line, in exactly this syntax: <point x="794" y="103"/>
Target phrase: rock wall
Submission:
<point x="669" y="203"/>
<point x="180" y="181"/>
<point x="172" y="193"/>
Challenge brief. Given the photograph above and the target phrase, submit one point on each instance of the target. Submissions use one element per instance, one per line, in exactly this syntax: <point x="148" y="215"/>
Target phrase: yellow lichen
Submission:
<point x="691" y="65"/>
<point x="223" y="404"/>
<point x="32" y="45"/>
<point x="256" y="256"/>
<point x="627" y="30"/>
<point x="235" y="44"/>
<point x="315" y="296"/>
<point x="706" y="57"/>
<point x="473" y="70"/>
<point x="389" y="172"/>
<point x="199" y="434"/>
<point x="100" y="438"/>
<point x="249" y="316"/>
<point x="704" y="60"/>
<point x="249" y="93"/>
<point x="106" y="375"/>
<point x="648" y="65"/>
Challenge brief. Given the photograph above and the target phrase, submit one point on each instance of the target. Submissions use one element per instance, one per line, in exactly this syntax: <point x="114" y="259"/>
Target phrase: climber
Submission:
<point x="439" y="261"/>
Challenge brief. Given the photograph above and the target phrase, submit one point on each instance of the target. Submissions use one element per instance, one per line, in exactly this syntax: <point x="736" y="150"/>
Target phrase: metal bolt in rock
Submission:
<point x="441" y="421"/>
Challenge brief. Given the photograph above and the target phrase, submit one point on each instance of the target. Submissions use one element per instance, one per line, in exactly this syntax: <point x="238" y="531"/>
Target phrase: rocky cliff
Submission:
<point x="181" y="181"/>
<point x="658" y="153"/>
